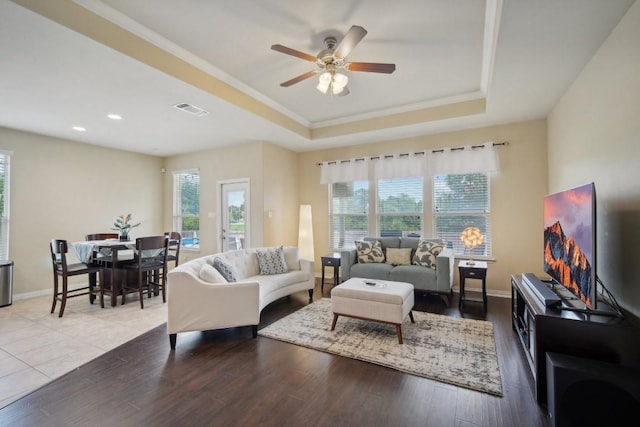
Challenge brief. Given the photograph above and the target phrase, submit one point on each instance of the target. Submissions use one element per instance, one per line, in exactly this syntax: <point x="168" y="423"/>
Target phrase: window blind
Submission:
<point x="186" y="206"/>
<point x="461" y="201"/>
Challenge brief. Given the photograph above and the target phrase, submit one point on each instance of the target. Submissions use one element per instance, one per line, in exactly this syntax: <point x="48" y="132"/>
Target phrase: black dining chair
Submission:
<point x="101" y="236"/>
<point x="149" y="267"/>
<point x="175" y="241"/>
<point x="63" y="270"/>
<point x="101" y="258"/>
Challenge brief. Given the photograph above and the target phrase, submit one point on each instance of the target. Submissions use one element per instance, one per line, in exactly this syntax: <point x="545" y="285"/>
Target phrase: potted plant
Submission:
<point x="123" y="225"/>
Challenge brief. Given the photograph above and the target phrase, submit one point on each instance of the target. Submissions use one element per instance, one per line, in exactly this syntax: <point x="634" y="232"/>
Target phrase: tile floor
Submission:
<point x="37" y="347"/>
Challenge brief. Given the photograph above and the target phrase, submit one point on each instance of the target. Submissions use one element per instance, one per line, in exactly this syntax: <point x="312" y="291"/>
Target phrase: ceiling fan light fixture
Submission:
<point x="333" y="80"/>
<point x="340" y="80"/>
<point x="324" y="81"/>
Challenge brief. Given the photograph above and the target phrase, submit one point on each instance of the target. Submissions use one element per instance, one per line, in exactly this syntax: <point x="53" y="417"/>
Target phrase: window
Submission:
<point x="4" y="204"/>
<point x="400" y="207"/>
<point x="348" y="213"/>
<point x="461" y="201"/>
<point x="186" y="206"/>
<point x="397" y="210"/>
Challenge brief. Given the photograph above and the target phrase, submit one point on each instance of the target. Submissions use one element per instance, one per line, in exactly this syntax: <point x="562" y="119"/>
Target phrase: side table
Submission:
<point x="476" y="271"/>
<point x="332" y="260"/>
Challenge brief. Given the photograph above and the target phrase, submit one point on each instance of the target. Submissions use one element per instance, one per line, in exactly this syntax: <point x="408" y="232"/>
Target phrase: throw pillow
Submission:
<point x="271" y="261"/>
<point x="291" y="257"/>
<point x="399" y="256"/>
<point x="227" y="270"/>
<point x="427" y="252"/>
<point x="369" y="251"/>
<point x="211" y="275"/>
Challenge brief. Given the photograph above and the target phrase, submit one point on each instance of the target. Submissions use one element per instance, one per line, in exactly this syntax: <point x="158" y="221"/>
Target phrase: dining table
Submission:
<point x="110" y="253"/>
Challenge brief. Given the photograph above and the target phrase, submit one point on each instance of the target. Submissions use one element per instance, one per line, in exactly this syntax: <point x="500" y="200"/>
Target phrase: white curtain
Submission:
<point x="467" y="159"/>
<point x="345" y="171"/>
<point x="460" y="160"/>
<point x="398" y="166"/>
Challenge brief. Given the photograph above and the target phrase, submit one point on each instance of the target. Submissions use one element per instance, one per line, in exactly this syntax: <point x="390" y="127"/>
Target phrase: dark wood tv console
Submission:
<point x="543" y="329"/>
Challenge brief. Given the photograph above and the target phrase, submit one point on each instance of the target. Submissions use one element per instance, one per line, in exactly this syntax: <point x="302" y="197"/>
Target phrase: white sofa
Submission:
<point x="200" y="299"/>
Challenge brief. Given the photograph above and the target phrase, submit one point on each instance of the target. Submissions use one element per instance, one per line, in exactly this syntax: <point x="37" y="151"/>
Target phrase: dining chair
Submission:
<point x="103" y="258"/>
<point x="175" y="241"/>
<point x="149" y="267"/>
<point x="101" y="236"/>
<point x="63" y="270"/>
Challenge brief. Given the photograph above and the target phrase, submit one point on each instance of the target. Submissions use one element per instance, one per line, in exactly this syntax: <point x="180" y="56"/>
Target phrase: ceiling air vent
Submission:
<point x="191" y="109"/>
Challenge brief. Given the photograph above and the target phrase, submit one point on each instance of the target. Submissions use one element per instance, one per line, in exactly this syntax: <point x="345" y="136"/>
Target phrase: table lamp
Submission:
<point x="472" y="238"/>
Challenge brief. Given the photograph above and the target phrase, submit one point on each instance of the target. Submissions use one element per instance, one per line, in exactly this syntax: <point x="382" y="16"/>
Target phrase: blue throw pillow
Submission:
<point x="226" y="269"/>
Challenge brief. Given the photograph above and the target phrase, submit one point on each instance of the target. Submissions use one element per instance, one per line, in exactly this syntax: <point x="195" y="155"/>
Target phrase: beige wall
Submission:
<point x="281" y="209"/>
<point x="594" y="136"/>
<point x="272" y="172"/>
<point x="516" y="192"/>
<point x="62" y="189"/>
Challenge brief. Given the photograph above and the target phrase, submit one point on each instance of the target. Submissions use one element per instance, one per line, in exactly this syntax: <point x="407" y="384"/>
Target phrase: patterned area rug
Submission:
<point x="452" y="350"/>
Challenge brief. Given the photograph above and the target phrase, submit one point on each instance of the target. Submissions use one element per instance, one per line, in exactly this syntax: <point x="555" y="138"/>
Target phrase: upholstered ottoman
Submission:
<point x="377" y="300"/>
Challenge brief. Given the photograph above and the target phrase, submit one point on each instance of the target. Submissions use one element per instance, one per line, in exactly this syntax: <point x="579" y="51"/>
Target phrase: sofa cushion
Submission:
<point x="271" y="261"/>
<point x="291" y="256"/>
<point x="210" y="274"/>
<point x="227" y="270"/>
<point x="369" y="251"/>
<point x="371" y="270"/>
<point x="397" y="256"/>
<point x="274" y="282"/>
<point x="426" y="253"/>
<point x="419" y="276"/>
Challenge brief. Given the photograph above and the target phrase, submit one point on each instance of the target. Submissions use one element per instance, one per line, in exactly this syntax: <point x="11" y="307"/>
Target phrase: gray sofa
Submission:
<point x="438" y="280"/>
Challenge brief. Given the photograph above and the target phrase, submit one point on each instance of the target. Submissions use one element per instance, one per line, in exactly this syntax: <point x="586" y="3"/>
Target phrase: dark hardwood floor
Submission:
<point x="227" y="378"/>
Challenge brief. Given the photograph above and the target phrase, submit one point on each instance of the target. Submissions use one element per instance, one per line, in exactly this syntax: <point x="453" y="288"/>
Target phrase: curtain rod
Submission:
<point x="386" y="156"/>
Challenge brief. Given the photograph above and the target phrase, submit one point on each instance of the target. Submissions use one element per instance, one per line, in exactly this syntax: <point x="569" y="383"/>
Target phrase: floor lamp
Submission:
<point x="305" y="234"/>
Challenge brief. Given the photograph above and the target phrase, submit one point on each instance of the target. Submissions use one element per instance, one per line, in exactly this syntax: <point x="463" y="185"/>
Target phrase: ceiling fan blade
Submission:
<point x="298" y="79"/>
<point x="350" y="40"/>
<point x="293" y="52"/>
<point x="371" y="67"/>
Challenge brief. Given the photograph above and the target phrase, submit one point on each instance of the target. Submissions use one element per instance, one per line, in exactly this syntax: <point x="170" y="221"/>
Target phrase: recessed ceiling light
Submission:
<point x="115" y="116"/>
<point x="79" y="129"/>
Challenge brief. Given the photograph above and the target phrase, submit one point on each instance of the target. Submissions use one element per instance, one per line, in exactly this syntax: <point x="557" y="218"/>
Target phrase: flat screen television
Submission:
<point x="570" y="241"/>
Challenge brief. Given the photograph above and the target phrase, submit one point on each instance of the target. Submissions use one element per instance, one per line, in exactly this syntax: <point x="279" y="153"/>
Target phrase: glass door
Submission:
<point x="234" y="215"/>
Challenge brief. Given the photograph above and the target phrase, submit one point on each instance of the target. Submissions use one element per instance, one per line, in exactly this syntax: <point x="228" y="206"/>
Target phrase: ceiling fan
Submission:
<point x="332" y="60"/>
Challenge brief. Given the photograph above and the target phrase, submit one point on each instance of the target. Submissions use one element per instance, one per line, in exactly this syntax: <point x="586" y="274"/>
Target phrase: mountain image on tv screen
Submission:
<point x="569" y="240"/>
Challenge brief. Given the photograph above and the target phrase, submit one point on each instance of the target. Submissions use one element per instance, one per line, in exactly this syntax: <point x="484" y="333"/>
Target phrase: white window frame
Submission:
<point x="189" y="240"/>
<point x="371" y="214"/>
<point x="480" y="217"/>
<point x="429" y="226"/>
<point x="401" y="190"/>
<point x="346" y="239"/>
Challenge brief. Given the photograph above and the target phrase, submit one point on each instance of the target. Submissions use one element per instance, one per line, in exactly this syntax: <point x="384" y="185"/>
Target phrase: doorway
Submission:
<point x="234" y="214"/>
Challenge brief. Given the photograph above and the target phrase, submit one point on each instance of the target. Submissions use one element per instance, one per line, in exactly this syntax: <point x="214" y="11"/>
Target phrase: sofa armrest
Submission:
<point x="196" y="305"/>
<point x="445" y="269"/>
<point x="347" y="259"/>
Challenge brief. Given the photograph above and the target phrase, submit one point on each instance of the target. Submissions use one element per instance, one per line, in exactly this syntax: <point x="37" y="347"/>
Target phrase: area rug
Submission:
<point x="452" y="350"/>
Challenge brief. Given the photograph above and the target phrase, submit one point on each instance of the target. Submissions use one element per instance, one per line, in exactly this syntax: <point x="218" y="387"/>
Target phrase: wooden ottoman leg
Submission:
<point x="411" y="317"/>
<point x="335" y="319"/>
<point x="399" y="332"/>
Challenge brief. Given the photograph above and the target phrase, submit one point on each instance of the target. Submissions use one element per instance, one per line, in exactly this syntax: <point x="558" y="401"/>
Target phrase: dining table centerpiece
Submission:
<point x="124" y="225"/>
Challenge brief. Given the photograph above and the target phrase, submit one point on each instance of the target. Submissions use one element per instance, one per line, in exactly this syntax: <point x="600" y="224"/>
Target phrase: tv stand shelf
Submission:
<point x="559" y="329"/>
